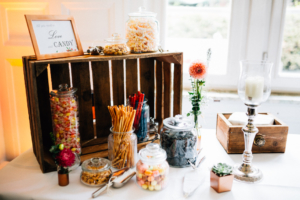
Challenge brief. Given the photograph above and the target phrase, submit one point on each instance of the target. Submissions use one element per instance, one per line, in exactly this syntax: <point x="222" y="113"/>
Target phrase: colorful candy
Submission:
<point x="66" y="122"/>
<point x="154" y="177"/>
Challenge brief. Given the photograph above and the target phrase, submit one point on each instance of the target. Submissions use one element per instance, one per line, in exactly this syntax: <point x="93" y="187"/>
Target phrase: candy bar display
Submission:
<point x="95" y="171"/>
<point x="116" y="46"/>
<point x="179" y="140"/>
<point x="152" y="169"/>
<point x="65" y="119"/>
<point x="122" y="142"/>
<point x="142" y="31"/>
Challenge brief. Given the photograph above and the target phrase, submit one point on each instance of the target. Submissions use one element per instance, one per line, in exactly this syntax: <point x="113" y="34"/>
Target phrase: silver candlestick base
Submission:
<point x="246" y="172"/>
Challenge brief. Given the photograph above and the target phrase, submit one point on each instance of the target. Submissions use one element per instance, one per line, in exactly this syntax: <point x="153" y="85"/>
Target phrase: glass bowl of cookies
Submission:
<point x="95" y="172"/>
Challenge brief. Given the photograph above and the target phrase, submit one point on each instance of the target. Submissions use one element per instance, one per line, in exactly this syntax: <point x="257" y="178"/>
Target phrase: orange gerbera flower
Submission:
<point x="197" y="69"/>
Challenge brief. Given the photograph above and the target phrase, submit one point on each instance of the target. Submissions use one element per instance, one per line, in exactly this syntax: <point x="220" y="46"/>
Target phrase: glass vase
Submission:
<point x="63" y="176"/>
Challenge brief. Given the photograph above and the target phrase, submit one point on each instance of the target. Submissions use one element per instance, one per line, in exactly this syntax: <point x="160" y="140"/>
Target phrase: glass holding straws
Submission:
<point x="142" y="118"/>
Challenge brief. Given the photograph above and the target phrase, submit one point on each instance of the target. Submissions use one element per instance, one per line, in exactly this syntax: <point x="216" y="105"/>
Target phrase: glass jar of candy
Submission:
<point x="122" y="149"/>
<point x="116" y="46"/>
<point x="179" y="140"/>
<point x="152" y="169"/>
<point x="65" y="119"/>
<point x="95" y="171"/>
<point x="142" y="31"/>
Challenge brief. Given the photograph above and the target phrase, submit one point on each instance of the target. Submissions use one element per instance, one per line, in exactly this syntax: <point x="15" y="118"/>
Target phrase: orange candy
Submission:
<point x="148" y="172"/>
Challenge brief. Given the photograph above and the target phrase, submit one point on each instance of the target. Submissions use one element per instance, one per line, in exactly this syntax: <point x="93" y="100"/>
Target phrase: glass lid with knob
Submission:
<point x="96" y="165"/>
<point x="142" y="13"/>
<point x="64" y="90"/>
<point x="152" y="154"/>
<point x="178" y="123"/>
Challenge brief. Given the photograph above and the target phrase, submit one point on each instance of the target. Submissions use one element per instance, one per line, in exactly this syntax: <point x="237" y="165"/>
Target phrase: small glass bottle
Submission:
<point x="179" y="140"/>
<point x="142" y="31"/>
<point x="152" y="170"/>
<point x="116" y="46"/>
<point x="65" y="117"/>
<point x="95" y="171"/>
<point x="122" y="149"/>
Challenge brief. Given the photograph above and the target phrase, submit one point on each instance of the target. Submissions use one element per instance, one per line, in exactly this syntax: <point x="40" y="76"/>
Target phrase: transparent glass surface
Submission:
<point x="290" y="58"/>
<point x="255" y="81"/>
<point x="190" y="30"/>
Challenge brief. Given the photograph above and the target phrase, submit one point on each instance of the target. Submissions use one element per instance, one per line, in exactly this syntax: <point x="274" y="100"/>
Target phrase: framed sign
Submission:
<point x="53" y="36"/>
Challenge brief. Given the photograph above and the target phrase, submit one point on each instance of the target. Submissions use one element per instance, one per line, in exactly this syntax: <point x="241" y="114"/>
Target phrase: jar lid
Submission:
<point x="64" y="90"/>
<point x="178" y="123"/>
<point x="116" y="38"/>
<point x="96" y="165"/>
<point x="142" y="13"/>
<point x="152" y="154"/>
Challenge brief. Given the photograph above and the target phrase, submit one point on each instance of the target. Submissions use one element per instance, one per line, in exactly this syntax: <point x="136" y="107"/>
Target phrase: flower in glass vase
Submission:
<point x="198" y="71"/>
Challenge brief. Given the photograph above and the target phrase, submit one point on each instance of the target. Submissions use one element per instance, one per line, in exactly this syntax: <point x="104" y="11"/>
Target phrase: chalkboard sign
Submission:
<point x="53" y="36"/>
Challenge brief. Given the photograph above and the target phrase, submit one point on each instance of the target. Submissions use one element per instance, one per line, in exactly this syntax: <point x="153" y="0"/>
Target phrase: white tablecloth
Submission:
<point x="23" y="179"/>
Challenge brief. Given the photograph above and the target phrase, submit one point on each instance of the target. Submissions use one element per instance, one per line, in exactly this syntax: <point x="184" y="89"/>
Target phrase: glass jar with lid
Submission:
<point x="122" y="149"/>
<point x="116" y="46"/>
<point x="142" y="31"/>
<point x="65" y="117"/>
<point x="95" y="171"/>
<point x="179" y="140"/>
<point x="152" y="169"/>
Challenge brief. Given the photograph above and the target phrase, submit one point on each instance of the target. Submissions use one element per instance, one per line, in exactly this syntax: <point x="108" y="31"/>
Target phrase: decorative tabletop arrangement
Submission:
<point x="198" y="70"/>
<point x="221" y="177"/>
<point x="64" y="158"/>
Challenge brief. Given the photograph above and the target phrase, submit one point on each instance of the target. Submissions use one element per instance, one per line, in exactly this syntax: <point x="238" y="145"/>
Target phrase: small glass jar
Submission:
<point x="65" y="117"/>
<point x="142" y="31"/>
<point x="142" y="126"/>
<point x="95" y="171"/>
<point x="152" y="169"/>
<point x="122" y="149"/>
<point x="116" y="46"/>
<point x="179" y="140"/>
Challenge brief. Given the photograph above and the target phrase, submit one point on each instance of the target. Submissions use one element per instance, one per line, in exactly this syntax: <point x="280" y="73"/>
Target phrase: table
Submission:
<point x="23" y="179"/>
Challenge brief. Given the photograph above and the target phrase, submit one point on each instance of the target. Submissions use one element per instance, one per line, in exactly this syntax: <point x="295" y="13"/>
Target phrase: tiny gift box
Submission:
<point x="269" y="139"/>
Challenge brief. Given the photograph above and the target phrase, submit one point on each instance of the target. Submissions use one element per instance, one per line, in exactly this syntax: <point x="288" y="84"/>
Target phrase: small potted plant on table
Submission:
<point x="221" y="177"/>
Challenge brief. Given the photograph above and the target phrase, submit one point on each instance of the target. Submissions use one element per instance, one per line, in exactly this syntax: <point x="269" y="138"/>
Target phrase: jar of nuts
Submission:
<point x="95" y="171"/>
<point x="116" y="46"/>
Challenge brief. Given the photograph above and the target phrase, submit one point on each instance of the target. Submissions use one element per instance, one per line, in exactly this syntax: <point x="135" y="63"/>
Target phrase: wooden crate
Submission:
<point x="155" y="81"/>
<point x="231" y="136"/>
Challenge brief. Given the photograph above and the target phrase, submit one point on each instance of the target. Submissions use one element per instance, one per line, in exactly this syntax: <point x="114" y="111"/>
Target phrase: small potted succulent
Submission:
<point x="221" y="177"/>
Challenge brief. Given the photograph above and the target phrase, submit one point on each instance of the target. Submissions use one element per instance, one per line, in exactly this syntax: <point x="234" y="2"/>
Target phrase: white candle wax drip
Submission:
<point x="254" y="88"/>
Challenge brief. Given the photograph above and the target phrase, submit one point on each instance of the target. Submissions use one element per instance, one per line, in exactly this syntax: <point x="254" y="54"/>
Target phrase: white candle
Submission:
<point x="254" y="88"/>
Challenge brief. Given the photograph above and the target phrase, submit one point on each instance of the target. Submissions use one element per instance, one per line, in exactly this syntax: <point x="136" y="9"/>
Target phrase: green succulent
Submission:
<point x="222" y="169"/>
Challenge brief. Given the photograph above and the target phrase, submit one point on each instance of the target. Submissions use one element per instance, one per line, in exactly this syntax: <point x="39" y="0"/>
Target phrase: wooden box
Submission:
<point x="112" y="78"/>
<point x="269" y="139"/>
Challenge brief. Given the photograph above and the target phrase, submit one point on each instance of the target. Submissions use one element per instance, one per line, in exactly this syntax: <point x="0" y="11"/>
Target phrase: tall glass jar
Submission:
<point x="179" y="140"/>
<point x="142" y="31"/>
<point x="122" y="149"/>
<point x="65" y="119"/>
<point x="152" y="169"/>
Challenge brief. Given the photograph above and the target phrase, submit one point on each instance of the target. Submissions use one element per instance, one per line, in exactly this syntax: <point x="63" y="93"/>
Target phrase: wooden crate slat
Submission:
<point x="167" y="90"/>
<point x="177" y="97"/>
<point x="95" y="148"/>
<point x="147" y="81"/>
<point x="159" y="92"/>
<point x="45" y="116"/>
<point x="25" y="61"/>
<point x="59" y="75"/>
<point x="131" y="77"/>
<point x="102" y="95"/>
<point x="118" y="82"/>
<point x="81" y="81"/>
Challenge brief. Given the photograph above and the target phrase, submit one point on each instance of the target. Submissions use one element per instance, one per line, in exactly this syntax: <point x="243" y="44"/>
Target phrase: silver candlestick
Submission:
<point x="254" y="88"/>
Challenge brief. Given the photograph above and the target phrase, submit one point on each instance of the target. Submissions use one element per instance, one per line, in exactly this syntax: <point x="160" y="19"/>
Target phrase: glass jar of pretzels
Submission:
<point x="95" y="171"/>
<point x="122" y="142"/>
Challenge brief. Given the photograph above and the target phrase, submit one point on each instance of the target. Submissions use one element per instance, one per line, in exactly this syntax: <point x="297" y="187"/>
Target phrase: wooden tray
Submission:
<point x="231" y="136"/>
<point x="155" y="77"/>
